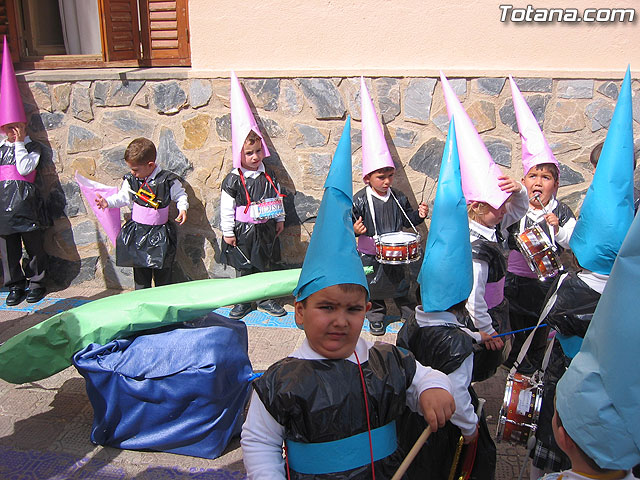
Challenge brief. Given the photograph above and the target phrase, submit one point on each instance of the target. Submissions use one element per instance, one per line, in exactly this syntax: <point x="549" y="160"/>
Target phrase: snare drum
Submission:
<point x="539" y="252"/>
<point x="267" y="209"/>
<point x="520" y="409"/>
<point x="397" y="248"/>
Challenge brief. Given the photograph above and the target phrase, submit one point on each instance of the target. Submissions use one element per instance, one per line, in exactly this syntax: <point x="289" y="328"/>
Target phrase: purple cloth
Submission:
<point x="366" y="245"/>
<point x="10" y="172"/>
<point x="494" y="293"/>
<point x="518" y="265"/>
<point x="246" y="217"/>
<point x="149" y="216"/>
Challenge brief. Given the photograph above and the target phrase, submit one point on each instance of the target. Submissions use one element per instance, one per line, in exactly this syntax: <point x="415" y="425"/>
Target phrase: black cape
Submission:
<point x="444" y="348"/>
<point x="322" y="401"/>
<point x="257" y="241"/>
<point x="21" y="206"/>
<point x="386" y="281"/>
<point x="150" y="246"/>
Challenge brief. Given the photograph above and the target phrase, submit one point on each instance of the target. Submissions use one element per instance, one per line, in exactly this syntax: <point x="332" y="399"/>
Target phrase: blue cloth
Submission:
<point x="181" y="391"/>
<point x="446" y="276"/>
<point x="607" y="211"/>
<point x="331" y="257"/>
<point x="598" y="397"/>
<point x="344" y="454"/>
<point x="570" y="344"/>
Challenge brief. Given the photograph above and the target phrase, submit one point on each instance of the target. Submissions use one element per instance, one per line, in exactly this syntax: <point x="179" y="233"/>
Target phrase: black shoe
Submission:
<point x="240" y="310"/>
<point x="272" y="308"/>
<point x="16" y="296"/>
<point x="36" y="294"/>
<point x="377" y="328"/>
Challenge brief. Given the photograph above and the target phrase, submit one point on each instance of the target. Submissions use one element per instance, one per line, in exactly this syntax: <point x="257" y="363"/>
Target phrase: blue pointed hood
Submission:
<point x="446" y="276"/>
<point x="598" y="398"/>
<point x="331" y="257"/>
<point x="607" y="211"/>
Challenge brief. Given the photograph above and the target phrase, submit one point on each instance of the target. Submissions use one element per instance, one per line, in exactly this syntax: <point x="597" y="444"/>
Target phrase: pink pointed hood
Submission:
<point x="11" y="108"/>
<point x="375" y="152"/>
<point x="478" y="170"/>
<point x="535" y="148"/>
<point x="242" y="122"/>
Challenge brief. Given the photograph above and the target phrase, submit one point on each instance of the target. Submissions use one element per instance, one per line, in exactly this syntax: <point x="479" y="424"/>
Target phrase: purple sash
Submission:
<point x="10" y="172"/>
<point x="246" y="217"/>
<point x="149" y="216"/>
<point x="517" y="265"/>
<point x="494" y="293"/>
<point x="366" y="245"/>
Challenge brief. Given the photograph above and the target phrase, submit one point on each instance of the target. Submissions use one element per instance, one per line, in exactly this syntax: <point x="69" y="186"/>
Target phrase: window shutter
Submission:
<point x="165" y="39"/>
<point x="121" y="34"/>
<point x="8" y="27"/>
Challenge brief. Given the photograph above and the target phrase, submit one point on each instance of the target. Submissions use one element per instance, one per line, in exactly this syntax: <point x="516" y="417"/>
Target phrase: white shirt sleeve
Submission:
<point x="476" y="305"/>
<point x="262" y="439"/>
<point x="464" y="417"/>
<point x="179" y="195"/>
<point x="564" y="233"/>
<point x="26" y="162"/>
<point x="424" y="379"/>
<point x="516" y="206"/>
<point x="227" y="214"/>
<point x="124" y="198"/>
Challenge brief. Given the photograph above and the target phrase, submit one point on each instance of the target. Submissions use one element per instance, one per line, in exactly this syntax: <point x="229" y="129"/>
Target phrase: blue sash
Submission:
<point x="344" y="454"/>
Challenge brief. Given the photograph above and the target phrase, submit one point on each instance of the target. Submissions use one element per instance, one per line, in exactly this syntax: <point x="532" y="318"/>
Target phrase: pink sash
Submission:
<point x="366" y="245"/>
<point x="494" y="293"/>
<point x="245" y="217"/>
<point x="149" y="216"/>
<point x="10" y="172"/>
<point x="518" y="265"/>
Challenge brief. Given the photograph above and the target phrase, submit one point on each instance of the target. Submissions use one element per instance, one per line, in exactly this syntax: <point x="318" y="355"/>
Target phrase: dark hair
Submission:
<point x="140" y="151"/>
<point x="551" y="167"/>
<point x="346" y="288"/>
<point x="252" y="138"/>
<point x="459" y="309"/>
<point x="380" y="170"/>
<point x="594" y="156"/>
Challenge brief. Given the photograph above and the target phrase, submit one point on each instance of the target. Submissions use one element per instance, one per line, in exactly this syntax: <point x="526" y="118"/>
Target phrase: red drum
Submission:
<point x="397" y="248"/>
<point x="520" y="409"/>
<point x="539" y="252"/>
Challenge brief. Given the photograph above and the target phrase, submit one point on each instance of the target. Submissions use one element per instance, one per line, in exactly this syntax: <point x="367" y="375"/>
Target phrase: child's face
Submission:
<point x="540" y="181"/>
<point x="380" y="181"/>
<point x="332" y="320"/>
<point x="14" y="131"/>
<point x="141" y="171"/>
<point x="487" y="215"/>
<point x="252" y="155"/>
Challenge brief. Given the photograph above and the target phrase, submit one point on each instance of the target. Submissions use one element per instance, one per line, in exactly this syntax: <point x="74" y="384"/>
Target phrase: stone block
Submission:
<point x="300" y="208"/>
<point x="566" y="117"/>
<point x="568" y="176"/>
<point x="223" y="127"/>
<point x="170" y="157"/>
<point x="291" y="100"/>
<point x="61" y="97"/>
<point x="500" y="150"/>
<point x="324" y="98"/>
<point x="64" y="272"/>
<point x="80" y="139"/>
<point x="168" y="97"/>
<point x="417" y="100"/>
<point x="403" y="137"/>
<point x="388" y="93"/>
<point x="116" y="93"/>
<point x="87" y="233"/>
<point x="483" y="115"/>
<point x="264" y="92"/>
<point x="37" y="92"/>
<point x="428" y="158"/>
<point x="200" y="92"/>
<point x="575" y="88"/>
<point x="319" y="164"/>
<point x="600" y="113"/>
<point x="609" y="89"/>
<point x="270" y="127"/>
<point x="113" y="162"/>
<point x="537" y="104"/>
<point x="196" y="131"/>
<point x="302" y="135"/>
<point x="488" y="86"/>
<point x="544" y="85"/>
<point x="81" y="103"/>
<point x="128" y="123"/>
<point x="45" y="121"/>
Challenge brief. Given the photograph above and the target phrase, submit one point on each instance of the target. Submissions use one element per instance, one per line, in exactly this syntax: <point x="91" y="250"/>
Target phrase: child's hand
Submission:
<point x="279" y="228"/>
<point x="553" y="221"/>
<point x="20" y="131"/>
<point x="470" y="438"/>
<point x="182" y="217"/>
<point x="508" y="184"/>
<point x="437" y="407"/>
<point x="493" y="343"/>
<point x="101" y="202"/>
<point x="423" y="210"/>
<point x="359" y="227"/>
<point x="230" y="241"/>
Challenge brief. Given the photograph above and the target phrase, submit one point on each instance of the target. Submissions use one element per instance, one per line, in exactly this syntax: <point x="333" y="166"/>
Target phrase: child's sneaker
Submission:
<point x="240" y="310"/>
<point x="272" y="308"/>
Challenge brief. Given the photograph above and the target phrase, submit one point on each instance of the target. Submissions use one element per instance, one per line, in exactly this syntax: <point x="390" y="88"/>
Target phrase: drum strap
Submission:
<point x="373" y="212"/>
<point x="525" y="346"/>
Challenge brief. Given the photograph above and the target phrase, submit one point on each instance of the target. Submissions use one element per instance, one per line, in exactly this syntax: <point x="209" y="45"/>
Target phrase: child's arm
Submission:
<point x="121" y="199"/>
<point x="464" y="417"/>
<point x="564" y="228"/>
<point x="179" y="195"/>
<point x="477" y="305"/>
<point x="416" y="216"/>
<point x="227" y="217"/>
<point x="262" y="438"/>
<point x="516" y="205"/>
<point x="430" y="394"/>
<point x="26" y="162"/>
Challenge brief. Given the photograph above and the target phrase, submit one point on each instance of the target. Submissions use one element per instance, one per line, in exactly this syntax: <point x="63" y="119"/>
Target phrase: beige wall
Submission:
<point x="405" y="37"/>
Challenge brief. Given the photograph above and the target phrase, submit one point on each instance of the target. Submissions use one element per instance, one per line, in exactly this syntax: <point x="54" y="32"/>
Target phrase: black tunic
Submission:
<point x="444" y="348"/>
<point x="148" y="246"/>
<point x="21" y="206"/>
<point x="386" y="281"/>
<point x="486" y="361"/>
<point x="257" y="241"/>
<point x="322" y="400"/>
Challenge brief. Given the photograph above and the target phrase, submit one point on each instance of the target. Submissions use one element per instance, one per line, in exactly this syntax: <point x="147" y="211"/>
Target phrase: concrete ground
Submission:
<point x="45" y="425"/>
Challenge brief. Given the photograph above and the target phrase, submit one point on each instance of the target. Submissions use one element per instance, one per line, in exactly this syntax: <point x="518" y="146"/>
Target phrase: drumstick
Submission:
<point x="537" y="197"/>
<point x="518" y="331"/>
<point x="412" y="454"/>
<point x="431" y="191"/>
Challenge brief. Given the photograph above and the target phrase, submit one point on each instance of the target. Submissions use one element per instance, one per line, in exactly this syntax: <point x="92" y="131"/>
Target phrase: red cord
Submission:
<point x="246" y="192"/>
<point x="366" y="406"/>
<point x="286" y="461"/>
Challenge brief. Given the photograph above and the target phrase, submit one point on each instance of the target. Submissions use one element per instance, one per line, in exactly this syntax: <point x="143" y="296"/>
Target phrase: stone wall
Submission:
<point x="86" y="125"/>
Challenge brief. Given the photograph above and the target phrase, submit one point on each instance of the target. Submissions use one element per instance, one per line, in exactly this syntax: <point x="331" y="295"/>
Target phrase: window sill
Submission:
<point x="92" y="74"/>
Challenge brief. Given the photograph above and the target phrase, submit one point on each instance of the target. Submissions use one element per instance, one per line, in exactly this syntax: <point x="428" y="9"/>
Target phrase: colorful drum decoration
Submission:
<point x="539" y="252"/>
<point x="520" y="409"/>
<point x="398" y="248"/>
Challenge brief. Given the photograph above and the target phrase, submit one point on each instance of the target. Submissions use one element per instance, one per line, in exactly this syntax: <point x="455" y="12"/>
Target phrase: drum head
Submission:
<point x="397" y="238"/>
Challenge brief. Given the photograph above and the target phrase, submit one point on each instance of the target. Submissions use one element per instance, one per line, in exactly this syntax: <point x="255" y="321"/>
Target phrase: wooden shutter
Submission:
<point x="165" y="32"/>
<point x="120" y="30"/>
<point x="8" y="28"/>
